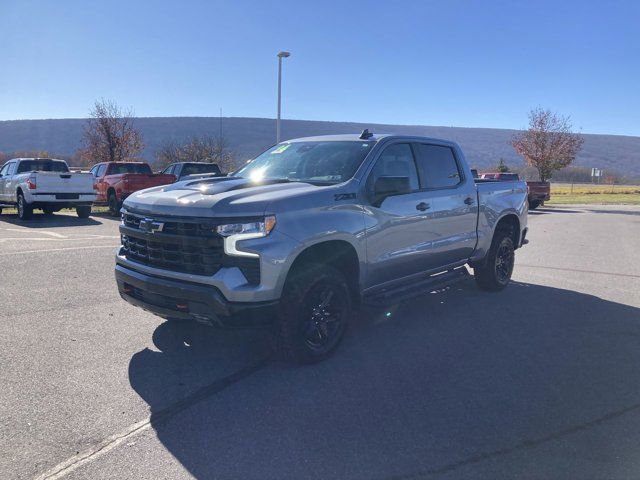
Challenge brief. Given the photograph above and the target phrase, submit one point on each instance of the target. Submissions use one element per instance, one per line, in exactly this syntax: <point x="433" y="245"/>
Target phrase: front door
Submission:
<point x="5" y="181"/>
<point x="399" y="231"/>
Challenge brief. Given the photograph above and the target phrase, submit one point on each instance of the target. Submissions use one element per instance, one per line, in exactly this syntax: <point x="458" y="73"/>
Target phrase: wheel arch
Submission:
<point x="339" y="254"/>
<point x="509" y="222"/>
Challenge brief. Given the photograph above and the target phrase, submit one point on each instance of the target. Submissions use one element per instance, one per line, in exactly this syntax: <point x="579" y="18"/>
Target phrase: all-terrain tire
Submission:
<point x="83" y="211"/>
<point x="313" y="314"/>
<point x="494" y="273"/>
<point x="114" y="205"/>
<point x="25" y="211"/>
<point x="533" y="204"/>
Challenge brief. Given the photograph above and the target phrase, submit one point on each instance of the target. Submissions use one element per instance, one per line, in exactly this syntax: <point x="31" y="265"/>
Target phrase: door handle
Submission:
<point x="469" y="201"/>
<point x="423" y="206"/>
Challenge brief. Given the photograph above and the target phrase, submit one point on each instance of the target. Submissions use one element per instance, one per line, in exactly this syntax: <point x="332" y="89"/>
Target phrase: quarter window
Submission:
<point x="396" y="161"/>
<point x="437" y="165"/>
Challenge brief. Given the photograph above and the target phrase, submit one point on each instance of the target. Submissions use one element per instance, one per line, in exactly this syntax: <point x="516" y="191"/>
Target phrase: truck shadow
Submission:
<point x="617" y="212"/>
<point x="438" y="385"/>
<point x="40" y="220"/>
<point x="544" y="211"/>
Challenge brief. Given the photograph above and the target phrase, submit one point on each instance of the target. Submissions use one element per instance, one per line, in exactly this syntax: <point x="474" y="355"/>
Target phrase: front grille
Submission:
<point x="189" y="229"/>
<point x="191" y="247"/>
<point x="174" y="256"/>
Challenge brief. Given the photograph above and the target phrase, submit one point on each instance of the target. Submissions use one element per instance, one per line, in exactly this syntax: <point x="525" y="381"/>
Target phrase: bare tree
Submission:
<point x="204" y="148"/>
<point x="109" y="135"/>
<point x="548" y="144"/>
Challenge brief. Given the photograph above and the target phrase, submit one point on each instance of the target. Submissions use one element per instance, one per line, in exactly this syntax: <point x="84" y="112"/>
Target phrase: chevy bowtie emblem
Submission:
<point x="149" y="226"/>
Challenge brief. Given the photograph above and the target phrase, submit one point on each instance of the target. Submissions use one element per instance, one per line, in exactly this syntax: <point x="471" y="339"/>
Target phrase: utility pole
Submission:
<point x="281" y="55"/>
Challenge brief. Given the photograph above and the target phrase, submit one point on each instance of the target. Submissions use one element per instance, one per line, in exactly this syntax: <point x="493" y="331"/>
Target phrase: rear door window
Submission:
<point x="437" y="166"/>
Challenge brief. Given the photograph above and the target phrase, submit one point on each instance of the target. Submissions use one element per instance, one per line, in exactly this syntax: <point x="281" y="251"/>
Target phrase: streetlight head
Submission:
<point x="283" y="54"/>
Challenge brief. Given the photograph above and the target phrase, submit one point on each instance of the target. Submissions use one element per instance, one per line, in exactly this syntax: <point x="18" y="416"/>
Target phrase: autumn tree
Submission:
<point x="110" y="134"/>
<point x="549" y="143"/>
<point x="204" y="148"/>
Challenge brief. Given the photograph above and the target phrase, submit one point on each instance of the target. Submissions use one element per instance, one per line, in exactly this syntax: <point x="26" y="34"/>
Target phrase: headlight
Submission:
<point x="263" y="228"/>
<point x="234" y="232"/>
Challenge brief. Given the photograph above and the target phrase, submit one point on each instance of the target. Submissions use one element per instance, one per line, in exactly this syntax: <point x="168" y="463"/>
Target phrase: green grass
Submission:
<point x="94" y="209"/>
<point x="601" y="199"/>
<point x="594" y="194"/>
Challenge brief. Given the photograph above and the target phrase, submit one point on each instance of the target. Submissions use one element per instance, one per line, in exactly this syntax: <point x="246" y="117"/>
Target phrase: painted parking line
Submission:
<point x="51" y="250"/>
<point x="66" y="239"/>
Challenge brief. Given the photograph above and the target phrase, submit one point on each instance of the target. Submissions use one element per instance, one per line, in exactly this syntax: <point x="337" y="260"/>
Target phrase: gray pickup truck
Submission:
<point x="313" y="227"/>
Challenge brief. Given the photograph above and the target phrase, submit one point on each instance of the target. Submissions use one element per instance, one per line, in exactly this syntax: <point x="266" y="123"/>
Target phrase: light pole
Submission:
<point x="281" y="55"/>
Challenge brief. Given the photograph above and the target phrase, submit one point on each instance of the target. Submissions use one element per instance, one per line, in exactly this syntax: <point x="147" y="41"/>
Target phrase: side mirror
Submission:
<point x="388" y="186"/>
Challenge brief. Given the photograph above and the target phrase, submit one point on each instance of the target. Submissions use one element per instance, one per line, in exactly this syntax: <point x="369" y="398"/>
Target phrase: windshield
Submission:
<point x="313" y="162"/>
<point x="42" y="166"/>
<point x="118" y="168"/>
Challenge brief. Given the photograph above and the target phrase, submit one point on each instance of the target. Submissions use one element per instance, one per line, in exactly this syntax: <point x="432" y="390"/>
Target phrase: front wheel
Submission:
<point x="24" y="209"/>
<point x="114" y="205"/>
<point x="83" y="211"/>
<point x="495" y="272"/>
<point x="313" y="314"/>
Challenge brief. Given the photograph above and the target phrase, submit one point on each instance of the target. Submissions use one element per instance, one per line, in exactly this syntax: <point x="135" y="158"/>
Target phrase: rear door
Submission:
<point x="454" y="203"/>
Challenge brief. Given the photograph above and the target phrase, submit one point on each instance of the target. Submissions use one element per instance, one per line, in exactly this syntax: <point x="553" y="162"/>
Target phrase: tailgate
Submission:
<point x="59" y="182"/>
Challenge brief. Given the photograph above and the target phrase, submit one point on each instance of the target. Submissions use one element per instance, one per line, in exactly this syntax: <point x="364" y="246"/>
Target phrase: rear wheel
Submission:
<point x="24" y="209"/>
<point x="495" y="272"/>
<point x="533" y="204"/>
<point x="313" y="314"/>
<point x="83" y="211"/>
<point x="114" y="205"/>
<point x="48" y="210"/>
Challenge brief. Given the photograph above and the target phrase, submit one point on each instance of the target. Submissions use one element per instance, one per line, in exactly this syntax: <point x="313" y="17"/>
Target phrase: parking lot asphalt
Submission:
<point x="541" y="380"/>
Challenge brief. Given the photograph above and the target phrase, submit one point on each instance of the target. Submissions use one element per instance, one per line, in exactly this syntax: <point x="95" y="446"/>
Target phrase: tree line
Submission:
<point x="548" y="145"/>
<point x="110" y="135"/>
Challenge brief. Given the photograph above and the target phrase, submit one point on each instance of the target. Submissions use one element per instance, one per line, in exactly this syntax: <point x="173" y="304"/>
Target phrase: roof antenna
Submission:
<point x="366" y="134"/>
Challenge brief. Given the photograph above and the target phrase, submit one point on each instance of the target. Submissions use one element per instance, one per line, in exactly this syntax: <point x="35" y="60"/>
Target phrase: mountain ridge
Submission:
<point x="247" y="136"/>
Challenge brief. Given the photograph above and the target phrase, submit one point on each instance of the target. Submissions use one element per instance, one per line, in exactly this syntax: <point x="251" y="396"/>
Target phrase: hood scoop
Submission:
<point x="213" y="186"/>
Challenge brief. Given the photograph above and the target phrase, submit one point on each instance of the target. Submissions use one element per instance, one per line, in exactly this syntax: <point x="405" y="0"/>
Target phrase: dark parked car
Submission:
<point x="184" y="169"/>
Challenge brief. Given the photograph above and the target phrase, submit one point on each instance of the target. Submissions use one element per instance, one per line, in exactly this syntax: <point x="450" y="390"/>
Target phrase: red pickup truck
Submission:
<point x="115" y="181"/>
<point x="539" y="192"/>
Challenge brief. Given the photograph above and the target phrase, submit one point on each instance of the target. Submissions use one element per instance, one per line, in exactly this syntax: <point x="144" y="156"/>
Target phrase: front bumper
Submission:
<point x="188" y="301"/>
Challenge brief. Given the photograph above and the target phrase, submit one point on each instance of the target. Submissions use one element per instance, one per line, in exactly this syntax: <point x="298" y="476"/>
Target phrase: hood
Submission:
<point x="218" y="196"/>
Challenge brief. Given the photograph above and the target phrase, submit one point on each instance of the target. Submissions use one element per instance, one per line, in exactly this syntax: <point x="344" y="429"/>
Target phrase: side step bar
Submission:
<point x="418" y="287"/>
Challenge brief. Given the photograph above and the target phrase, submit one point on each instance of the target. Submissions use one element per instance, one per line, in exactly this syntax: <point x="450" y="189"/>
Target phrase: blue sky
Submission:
<point x="453" y="63"/>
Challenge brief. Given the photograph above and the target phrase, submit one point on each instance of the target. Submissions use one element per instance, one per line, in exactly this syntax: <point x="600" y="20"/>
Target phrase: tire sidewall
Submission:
<point x="23" y="208"/>
<point x="293" y="317"/>
<point x="113" y="204"/>
<point x="503" y="241"/>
